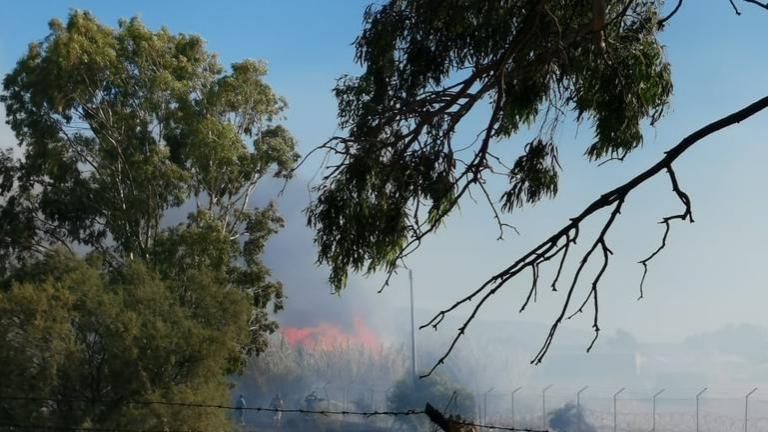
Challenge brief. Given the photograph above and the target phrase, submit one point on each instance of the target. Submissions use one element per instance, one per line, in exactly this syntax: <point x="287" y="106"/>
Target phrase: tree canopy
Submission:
<point x="522" y="66"/>
<point x="123" y="128"/>
<point x="107" y="295"/>
<point x="90" y="341"/>
<point x="427" y="65"/>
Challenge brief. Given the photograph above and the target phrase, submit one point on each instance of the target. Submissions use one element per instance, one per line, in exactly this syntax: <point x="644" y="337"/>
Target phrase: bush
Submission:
<point x="92" y="340"/>
<point x="569" y="418"/>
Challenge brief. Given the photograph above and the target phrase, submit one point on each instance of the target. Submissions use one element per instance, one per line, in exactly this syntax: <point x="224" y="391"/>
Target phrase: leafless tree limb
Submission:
<point x="735" y="9"/>
<point x="558" y="243"/>
<point x="763" y="5"/>
<point x="686" y="214"/>
<point x="757" y="3"/>
<point x="671" y="14"/>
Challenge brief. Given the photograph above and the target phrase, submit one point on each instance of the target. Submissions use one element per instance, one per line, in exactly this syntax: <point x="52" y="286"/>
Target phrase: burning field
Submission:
<point x="326" y="336"/>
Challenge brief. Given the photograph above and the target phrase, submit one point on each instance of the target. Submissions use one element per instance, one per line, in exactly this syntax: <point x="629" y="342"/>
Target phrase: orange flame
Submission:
<point x="329" y="336"/>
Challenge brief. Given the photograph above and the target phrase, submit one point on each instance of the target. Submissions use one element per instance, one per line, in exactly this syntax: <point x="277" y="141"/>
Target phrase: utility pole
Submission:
<point x="653" y="422"/>
<point x="746" y="408"/>
<point x="544" y="407"/>
<point x="615" y="395"/>
<point x="698" y="396"/>
<point x="512" y="404"/>
<point x="578" y="407"/>
<point x="413" y="332"/>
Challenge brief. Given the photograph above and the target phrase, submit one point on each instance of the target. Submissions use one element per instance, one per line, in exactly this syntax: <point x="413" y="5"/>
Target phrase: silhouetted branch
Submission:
<point x="754" y="2"/>
<point x="686" y="214"/>
<point x="664" y="20"/>
<point x="559" y="242"/>
<point x="757" y="3"/>
<point x="499" y="222"/>
<point x="671" y="14"/>
<point x="735" y="9"/>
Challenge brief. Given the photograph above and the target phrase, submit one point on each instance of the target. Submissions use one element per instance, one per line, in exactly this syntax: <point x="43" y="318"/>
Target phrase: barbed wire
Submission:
<point x="392" y="413"/>
<point x="40" y="427"/>
<point x="217" y="406"/>
<point x="495" y="427"/>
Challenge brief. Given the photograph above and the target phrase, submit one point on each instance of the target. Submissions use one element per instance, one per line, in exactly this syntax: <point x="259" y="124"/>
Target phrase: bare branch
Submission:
<point x="557" y="243"/>
<point x="499" y="222"/>
<point x="757" y="3"/>
<point x="600" y="241"/>
<point x="686" y="214"/>
<point x="735" y="9"/>
<point x="671" y="14"/>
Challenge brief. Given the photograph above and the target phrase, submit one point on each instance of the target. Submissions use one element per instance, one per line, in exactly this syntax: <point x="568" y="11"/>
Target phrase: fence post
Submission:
<point x="544" y="407"/>
<point x="746" y="408"/>
<point x="578" y="407"/>
<point x="512" y="404"/>
<point x="698" y="396"/>
<point x="615" y="395"/>
<point x="485" y="405"/>
<point x="653" y="421"/>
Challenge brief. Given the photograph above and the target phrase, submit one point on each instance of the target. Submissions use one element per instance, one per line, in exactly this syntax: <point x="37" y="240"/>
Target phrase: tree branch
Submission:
<point x="662" y="21"/>
<point x="757" y="3"/>
<point x="558" y="242"/>
<point x="735" y="9"/>
<point x="686" y="214"/>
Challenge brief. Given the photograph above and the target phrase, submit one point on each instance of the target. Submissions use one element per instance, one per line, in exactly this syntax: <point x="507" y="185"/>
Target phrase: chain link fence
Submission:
<point x="629" y="411"/>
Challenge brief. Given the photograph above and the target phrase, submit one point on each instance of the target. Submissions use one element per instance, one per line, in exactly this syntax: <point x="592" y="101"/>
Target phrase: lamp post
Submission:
<point x="746" y="408"/>
<point x="413" y="331"/>
<point x="578" y="406"/>
<point x="653" y="421"/>
<point x="698" y="396"/>
<point x="616" y="395"/>
<point x="414" y="377"/>
<point x="512" y="404"/>
<point x="544" y="406"/>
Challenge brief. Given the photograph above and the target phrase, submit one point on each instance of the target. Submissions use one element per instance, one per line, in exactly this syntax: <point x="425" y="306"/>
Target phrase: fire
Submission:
<point x="329" y="336"/>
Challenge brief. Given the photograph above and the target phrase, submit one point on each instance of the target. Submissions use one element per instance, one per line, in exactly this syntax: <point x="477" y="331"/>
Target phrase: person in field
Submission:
<point x="277" y="405"/>
<point x="240" y="407"/>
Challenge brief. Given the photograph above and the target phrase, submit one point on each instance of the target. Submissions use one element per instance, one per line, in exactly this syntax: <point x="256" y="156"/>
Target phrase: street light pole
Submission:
<point x="544" y="407"/>
<point x="746" y="408"/>
<point x="653" y="422"/>
<point x="698" y="396"/>
<point x="578" y="407"/>
<point x="413" y="331"/>
<point x="512" y="404"/>
<point x="615" y="395"/>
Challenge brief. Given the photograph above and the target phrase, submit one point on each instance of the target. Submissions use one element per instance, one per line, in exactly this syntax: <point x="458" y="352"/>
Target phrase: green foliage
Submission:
<point x="118" y="128"/>
<point x="94" y="339"/>
<point x="533" y="175"/>
<point x="428" y="64"/>
<point x="438" y="390"/>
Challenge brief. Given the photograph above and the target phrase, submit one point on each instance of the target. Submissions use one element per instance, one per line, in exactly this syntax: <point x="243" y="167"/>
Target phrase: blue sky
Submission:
<point x="714" y="272"/>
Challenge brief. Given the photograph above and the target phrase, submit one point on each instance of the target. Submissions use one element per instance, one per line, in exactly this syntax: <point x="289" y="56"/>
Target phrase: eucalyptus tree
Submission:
<point x="121" y="128"/>
<point x="107" y="296"/>
<point x="528" y="66"/>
